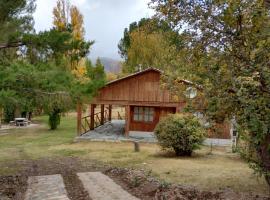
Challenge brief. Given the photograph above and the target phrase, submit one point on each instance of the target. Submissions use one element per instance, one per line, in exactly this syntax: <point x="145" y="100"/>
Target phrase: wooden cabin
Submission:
<point x="144" y="100"/>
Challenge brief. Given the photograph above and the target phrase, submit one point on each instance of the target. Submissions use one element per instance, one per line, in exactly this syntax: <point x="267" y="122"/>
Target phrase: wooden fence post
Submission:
<point x="102" y="114"/>
<point x="79" y="119"/>
<point x="136" y="147"/>
<point x="127" y="118"/>
<point x="110" y="112"/>
<point x="92" y="117"/>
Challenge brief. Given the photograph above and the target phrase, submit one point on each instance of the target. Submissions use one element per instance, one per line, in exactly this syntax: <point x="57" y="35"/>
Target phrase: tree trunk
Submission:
<point x="264" y="155"/>
<point x="1" y="112"/>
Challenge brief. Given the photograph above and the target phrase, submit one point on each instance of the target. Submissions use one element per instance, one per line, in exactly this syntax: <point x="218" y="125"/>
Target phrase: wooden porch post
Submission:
<point x="127" y="118"/>
<point x="102" y="114"/>
<point x="92" y="117"/>
<point x="79" y="119"/>
<point x="110" y="112"/>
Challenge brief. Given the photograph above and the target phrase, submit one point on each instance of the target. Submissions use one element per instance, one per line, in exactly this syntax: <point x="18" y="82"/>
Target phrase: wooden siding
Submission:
<point x="149" y="126"/>
<point x="142" y="88"/>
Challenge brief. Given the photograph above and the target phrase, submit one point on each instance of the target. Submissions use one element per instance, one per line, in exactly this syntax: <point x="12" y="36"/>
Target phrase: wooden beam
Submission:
<point x="139" y="103"/>
<point x="79" y="119"/>
<point x="110" y="112"/>
<point x="127" y="117"/>
<point x="92" y="117"/>
<point x="102" y="114"/>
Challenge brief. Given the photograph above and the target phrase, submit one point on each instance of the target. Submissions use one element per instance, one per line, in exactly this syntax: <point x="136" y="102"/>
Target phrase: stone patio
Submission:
<point x="114" y="131"/>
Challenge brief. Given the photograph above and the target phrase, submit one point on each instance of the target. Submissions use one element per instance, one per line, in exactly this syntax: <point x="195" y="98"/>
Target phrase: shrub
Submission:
<point x="54" y="119"/>
<point x="181" y="133"/>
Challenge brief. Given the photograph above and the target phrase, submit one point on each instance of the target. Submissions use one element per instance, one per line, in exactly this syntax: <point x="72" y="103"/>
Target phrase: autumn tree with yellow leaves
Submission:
<point x="61" y="15"/>
<point x="68" y="18"/>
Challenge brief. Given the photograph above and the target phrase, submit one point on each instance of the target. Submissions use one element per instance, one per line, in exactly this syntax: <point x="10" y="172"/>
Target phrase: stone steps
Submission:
<point x="101" y="187"/>
<point x="98" y="185"/>
<point x="49" y="187"/>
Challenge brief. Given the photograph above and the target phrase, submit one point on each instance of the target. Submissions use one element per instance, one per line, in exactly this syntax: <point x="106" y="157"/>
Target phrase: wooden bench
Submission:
<point x="12" y="123"/>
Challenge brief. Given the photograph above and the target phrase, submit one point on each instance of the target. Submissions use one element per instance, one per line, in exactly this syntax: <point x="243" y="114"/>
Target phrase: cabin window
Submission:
<point x="145" y="114"/>
<point x="138" y="113"/>
<point x="148" y="114"/>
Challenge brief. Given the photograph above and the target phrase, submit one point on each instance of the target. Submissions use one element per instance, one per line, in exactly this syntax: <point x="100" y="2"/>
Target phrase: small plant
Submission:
<point x="164" y="184"/>
<point x="136" y="181"/>
<point x="181" y="133"/>
<point x="149" y="172"/>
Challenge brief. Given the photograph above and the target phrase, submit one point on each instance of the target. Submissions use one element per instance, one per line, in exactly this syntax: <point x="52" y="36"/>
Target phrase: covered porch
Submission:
<point x="114" y="131"/>
<point x="112" y="122"/>
<point x="102" y="115"/>
<point x="140" y="119"/>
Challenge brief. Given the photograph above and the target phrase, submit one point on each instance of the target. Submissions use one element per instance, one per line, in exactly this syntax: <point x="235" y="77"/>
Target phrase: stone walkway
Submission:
<point x="101" y="187"/>
<point x="98" y="185"/>
<point x="49" y="187"/>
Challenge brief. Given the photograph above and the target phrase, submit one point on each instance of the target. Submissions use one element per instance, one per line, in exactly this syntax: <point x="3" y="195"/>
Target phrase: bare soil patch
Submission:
<point x="139" y="183"/>
<point x="14" y="187"/>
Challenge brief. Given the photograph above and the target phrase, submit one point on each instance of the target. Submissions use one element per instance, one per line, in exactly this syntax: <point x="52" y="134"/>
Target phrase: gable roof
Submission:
<point x="134" y="74"/>
<point x="187" y="82"/>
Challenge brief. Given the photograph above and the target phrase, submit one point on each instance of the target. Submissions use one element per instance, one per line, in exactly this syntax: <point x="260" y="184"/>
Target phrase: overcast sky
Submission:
<point x="104" y="21"/>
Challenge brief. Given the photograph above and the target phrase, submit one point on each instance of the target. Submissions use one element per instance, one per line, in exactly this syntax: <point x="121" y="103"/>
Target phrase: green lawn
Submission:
<point x="221" y="169"/>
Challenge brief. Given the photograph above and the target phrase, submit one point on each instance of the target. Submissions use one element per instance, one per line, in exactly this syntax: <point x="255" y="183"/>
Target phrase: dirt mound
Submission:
<point x="141" y="184"/>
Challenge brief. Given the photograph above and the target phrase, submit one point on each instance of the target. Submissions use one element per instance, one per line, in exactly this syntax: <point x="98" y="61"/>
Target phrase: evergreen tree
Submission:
<point x="33" y="67"/>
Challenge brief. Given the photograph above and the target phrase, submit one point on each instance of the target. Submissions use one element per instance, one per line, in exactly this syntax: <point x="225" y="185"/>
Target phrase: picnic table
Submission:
<point x="21" y="121"/>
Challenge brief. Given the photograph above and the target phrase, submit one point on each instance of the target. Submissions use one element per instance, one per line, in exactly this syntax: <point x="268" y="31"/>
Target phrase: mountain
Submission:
<point x="111" y="65"/>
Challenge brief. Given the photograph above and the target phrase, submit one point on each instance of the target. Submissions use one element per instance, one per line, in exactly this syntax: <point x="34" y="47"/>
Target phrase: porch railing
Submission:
<point x="86" y="121"/>
<point x="119" y="116"/>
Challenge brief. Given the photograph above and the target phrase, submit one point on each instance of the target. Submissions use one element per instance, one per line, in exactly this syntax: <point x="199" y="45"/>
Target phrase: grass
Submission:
<point x="218" y="170"/>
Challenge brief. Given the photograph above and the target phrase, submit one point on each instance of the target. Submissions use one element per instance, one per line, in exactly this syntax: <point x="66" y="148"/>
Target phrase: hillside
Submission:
<point x="111" y="65"/>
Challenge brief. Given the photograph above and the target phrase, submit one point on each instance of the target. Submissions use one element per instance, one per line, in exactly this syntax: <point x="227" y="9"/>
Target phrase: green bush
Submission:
<point x="181" y="133"/>
<point x="9" y="113"/>
<point x="54" y="119"/>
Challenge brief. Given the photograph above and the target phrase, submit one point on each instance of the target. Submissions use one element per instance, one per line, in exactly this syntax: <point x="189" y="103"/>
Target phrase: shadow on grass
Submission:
<point x="171" y="154"/>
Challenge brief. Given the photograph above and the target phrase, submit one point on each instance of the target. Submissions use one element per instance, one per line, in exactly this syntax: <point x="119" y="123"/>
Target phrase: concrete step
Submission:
<point x="49" y="187"/>
<point x="101" y="187"/>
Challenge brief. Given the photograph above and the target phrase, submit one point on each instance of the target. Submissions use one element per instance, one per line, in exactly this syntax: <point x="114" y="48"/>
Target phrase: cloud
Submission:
<point x="105" y="20"/>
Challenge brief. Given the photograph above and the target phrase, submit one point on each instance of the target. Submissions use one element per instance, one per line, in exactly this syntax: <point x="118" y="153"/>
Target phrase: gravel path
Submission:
<point x="101" y="187"/>
<point x="49" y="187"/>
